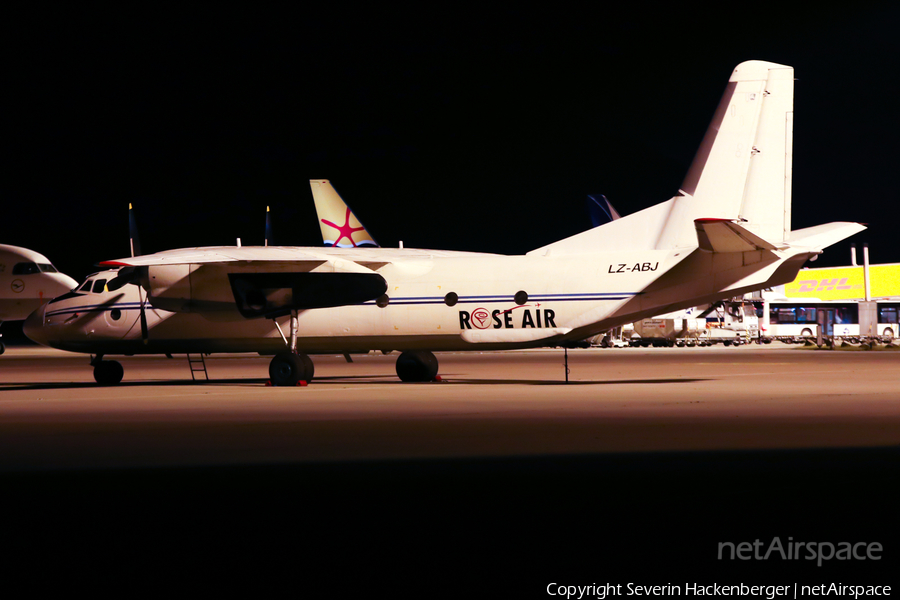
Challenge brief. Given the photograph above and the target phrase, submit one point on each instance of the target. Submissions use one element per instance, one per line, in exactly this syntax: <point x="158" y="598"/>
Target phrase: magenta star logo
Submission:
<point x="344" y="230"/>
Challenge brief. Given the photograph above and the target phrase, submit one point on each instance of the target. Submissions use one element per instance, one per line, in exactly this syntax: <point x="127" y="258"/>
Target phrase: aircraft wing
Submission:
<point x="225" y="254"/>
<point x="256" y="281"/>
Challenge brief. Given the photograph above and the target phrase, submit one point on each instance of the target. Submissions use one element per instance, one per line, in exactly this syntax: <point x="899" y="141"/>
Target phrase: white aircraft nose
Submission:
<point x="64" y="284"/>
<point x="33" y="327"/>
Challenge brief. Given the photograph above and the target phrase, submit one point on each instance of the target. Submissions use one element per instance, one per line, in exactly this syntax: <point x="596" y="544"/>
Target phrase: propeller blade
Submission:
<point x="125" y="276"/>
<point x="145" y="336"/>
<point x="133" y="233"/>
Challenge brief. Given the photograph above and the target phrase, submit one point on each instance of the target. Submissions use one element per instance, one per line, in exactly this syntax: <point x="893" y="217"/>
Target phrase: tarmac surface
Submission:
<point x="53" y="415"/>
<point x="502" y="478"/>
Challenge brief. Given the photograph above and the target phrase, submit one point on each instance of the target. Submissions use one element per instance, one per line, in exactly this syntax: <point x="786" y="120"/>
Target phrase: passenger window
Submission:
<point x="26" y="268"/>
<point x="99" y="285"/>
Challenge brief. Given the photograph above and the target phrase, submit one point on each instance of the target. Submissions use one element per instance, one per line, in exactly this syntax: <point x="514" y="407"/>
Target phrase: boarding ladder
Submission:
<point x="198" y="365"/>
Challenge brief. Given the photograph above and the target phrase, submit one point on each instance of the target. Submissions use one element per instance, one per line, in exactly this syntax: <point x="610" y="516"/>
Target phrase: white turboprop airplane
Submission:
<point x="727" y="232"/>
<point x="27" y="280"/>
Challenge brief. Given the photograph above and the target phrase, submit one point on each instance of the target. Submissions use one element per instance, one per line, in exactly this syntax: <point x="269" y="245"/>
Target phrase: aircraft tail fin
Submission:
<point x="339" y="225"/>
<point x="268" y="240"/>
<point x="741" y="173"/>
<point x="601" y="210"/>
<point x="742" y="169"/>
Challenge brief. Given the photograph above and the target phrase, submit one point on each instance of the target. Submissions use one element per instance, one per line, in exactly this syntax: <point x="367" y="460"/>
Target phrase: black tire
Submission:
<point x="2" y="348"/>
<point x="288" y="368"/>
<point x="108" y="372"/>
<point x="806" y="333"/>
<point x="417" y="365"/>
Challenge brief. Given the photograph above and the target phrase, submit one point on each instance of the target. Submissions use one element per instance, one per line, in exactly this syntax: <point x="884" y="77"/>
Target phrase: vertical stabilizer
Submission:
<point x="743" y="167"/>
<point x="767" y="197"/>
<point x="601" y="210"/>
<point x="339" y="225"/>
<point x="268" y="240"/>
<point x="741" y="173"/>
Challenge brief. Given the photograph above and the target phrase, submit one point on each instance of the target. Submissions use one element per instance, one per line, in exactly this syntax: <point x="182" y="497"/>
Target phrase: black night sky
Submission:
<point x="480" y="131"/>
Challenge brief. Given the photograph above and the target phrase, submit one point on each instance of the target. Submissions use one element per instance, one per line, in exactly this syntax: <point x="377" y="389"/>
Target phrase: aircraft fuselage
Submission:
<point x="452" y="301"/>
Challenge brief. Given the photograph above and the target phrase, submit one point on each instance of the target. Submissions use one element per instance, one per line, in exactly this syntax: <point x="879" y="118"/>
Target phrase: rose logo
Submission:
<point x="481" y="318"/>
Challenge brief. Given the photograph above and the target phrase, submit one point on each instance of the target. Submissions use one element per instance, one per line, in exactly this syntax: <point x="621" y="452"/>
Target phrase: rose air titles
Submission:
<point x="481" y="318"/>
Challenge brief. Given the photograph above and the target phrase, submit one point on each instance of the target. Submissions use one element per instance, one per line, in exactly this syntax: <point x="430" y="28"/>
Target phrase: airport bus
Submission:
<point x="799" y="318"/>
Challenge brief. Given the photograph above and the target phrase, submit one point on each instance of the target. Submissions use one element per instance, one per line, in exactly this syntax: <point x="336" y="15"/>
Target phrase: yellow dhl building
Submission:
<point x="845" y="283"/>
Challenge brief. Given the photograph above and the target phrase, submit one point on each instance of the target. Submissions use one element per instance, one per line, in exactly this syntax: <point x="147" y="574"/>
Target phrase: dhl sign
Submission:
<point x="845" y="283"/>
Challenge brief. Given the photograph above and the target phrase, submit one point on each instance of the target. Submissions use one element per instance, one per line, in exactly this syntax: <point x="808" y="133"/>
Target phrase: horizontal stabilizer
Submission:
<point x="518" y="336"/>
<point x="822" y="236"/>
<point x="725" y="235"/>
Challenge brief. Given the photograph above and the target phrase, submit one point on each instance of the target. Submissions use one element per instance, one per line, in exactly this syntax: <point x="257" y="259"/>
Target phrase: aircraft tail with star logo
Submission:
<point x="339" y="225"/>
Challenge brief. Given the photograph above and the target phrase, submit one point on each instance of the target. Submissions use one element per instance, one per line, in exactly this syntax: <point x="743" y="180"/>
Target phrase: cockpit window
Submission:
<point x="47" y="268"/>
<point x="86" y="286"/>
<point x="26" y="268"/>
<point x="99" y="285"/>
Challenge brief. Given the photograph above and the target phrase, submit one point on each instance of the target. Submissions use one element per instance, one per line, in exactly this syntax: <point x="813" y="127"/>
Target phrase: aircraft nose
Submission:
<point x="33" y="327"/>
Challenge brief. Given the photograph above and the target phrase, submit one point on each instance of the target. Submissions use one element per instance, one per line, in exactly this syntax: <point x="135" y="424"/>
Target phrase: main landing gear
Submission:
<point x="291" y="367"/>
<point x="288" y="368"/>
<point x="417" y="365"/>
<point x="107" y="372"/>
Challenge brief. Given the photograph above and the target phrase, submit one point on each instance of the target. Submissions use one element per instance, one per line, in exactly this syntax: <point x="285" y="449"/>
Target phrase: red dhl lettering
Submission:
<point x="826" y="285"/>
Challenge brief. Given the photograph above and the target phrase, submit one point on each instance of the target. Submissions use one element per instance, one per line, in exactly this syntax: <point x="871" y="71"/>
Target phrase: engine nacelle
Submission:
<point x="254" y="291"/>
<point x="169" y="287"/>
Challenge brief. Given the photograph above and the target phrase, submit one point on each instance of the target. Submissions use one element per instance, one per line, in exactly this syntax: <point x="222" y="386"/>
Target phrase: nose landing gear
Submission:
<point x="107" y="372"/>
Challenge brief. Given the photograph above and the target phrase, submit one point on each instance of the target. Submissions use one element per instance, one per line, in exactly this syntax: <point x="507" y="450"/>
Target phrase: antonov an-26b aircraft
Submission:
<point x="725" y="233"/>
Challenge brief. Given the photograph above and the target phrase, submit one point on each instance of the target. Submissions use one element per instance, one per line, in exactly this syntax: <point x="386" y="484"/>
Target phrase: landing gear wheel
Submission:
<point x="288" y="368"/>
<point x="108" y="372"/>
<point x="417" y="365"/>
<point x="2" y="348"/>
